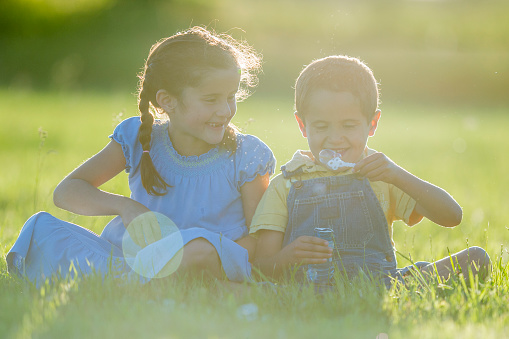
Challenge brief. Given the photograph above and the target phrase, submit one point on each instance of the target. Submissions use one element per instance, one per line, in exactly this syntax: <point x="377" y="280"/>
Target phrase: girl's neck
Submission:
<point x="187" y="145"/>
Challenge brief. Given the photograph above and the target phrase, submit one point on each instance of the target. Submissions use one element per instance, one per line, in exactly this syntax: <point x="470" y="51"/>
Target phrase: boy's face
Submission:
<point x="334" y="120"/>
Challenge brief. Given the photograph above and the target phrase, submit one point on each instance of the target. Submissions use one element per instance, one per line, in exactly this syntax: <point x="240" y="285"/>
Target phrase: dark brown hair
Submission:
<point x="182" y="61"/>
<point x="338" y="73"/>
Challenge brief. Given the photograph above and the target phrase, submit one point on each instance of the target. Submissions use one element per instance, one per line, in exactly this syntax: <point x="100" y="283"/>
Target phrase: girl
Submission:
<point x="193" y="167"/>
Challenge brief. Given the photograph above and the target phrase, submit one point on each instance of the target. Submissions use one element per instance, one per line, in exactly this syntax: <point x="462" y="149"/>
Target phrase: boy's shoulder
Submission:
<point x="368" y="151"/>
<point x="301" y="160"/>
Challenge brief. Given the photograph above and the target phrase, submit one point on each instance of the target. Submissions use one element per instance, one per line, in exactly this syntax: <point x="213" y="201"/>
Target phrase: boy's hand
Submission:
<point x="305" y="250"/>
<point x="377" y="167"/>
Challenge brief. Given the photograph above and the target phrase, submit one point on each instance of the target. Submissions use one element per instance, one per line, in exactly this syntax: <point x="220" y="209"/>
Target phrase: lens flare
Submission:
<point x="160" y="258"/>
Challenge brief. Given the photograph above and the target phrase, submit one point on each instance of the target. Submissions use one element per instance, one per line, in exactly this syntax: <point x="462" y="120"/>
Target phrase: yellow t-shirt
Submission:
<point x="272" y="211"/>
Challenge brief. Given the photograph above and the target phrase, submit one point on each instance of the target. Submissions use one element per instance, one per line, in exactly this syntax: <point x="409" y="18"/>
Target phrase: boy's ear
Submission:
<point x="374" y="122"/>
<point x="301" y="125"/>
<point x="167" y="101"/>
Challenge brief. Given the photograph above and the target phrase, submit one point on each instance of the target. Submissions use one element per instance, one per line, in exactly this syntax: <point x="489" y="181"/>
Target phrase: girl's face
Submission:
<point x="198" y="121"/>
<point x="334" y="120"/>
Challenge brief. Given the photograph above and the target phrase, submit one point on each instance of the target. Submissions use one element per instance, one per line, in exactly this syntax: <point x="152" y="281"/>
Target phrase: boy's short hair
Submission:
<point x="341" y="74"/>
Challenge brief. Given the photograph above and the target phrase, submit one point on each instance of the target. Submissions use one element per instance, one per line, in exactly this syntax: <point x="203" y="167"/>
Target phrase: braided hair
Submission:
<point x="178" y="62"/>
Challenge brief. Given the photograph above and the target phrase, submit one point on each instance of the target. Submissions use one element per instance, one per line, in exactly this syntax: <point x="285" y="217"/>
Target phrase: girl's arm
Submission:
<point x="432" y="202"/>
<point x="251" y="193"/>
<point x="79" y="193"/>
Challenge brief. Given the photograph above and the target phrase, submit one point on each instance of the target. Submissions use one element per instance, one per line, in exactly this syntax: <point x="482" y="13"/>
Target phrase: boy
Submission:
<point x="336" y="102"/>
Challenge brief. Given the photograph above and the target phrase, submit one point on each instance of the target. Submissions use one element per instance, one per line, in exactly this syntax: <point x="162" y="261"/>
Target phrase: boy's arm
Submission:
<point x="432" y="201"/>
<point x="272" y="259"/>
<point x="267" y="247"/>
<point x="269" y="223"/>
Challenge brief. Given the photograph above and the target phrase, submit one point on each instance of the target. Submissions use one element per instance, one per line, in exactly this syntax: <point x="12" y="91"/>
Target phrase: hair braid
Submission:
<point x="230" y="138"/>
<point x="182" y="61"/>
<point x="150" y="178"/>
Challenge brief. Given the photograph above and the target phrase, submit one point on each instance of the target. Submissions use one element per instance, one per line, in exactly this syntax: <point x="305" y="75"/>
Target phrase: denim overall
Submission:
<point x="348" y="205"/>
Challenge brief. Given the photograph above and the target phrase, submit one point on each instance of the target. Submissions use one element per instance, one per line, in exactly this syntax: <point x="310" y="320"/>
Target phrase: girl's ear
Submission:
<point x="374" y="122"/>
<point x="167" y="101"/>
<point x="301" y="125"/>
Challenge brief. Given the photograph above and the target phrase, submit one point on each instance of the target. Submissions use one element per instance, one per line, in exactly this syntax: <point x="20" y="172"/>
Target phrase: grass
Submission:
<point x="456" y="147"/>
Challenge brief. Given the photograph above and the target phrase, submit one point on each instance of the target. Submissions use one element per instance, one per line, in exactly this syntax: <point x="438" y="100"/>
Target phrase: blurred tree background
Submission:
<point x="453" y="51"/>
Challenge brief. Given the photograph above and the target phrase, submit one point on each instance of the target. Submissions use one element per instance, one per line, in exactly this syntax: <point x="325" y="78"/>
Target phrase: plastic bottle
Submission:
<point x="322" y="274"/>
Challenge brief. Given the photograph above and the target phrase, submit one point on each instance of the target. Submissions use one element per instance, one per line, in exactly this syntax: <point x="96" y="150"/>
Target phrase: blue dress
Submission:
<point x="204" y="201"/>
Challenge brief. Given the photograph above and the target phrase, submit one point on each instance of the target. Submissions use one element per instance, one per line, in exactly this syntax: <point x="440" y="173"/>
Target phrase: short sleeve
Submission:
<point x="126" y="134"/>
<point x="253" y="158"/>
<point x="403" y="206"/>
<point x="272" y="212"/>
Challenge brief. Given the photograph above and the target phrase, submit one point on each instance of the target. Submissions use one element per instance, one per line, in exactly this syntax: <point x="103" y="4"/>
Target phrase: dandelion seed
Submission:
<point x="169" y="304"/>
<point x="248" y="312"/>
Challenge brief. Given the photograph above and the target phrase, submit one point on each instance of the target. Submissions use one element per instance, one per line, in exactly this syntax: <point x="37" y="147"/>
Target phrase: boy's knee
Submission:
<point x="479" y="255"/>
<point x="480" y="260"/>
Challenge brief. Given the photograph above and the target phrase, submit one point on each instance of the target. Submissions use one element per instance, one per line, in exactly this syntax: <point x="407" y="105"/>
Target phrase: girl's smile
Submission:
<point x="200" y="116"/>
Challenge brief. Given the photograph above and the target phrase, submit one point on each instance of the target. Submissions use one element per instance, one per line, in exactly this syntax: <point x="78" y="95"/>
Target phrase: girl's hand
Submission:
<point x="141" y="223"/>
<point x="305" y="250"/>
<point x="378" y="167"/>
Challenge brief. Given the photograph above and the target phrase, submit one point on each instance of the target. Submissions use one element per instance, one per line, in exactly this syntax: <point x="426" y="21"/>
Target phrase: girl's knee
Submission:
<point x="41" y="218"/>
<point x="200" y="254"/>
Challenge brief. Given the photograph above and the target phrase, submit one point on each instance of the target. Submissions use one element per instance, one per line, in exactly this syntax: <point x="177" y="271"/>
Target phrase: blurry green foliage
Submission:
<point x="419" y="50"/>
<point x="22" y="18"/>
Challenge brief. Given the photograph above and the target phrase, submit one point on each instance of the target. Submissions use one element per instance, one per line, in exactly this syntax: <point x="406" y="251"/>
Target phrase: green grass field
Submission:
<point x="43" y="136"/>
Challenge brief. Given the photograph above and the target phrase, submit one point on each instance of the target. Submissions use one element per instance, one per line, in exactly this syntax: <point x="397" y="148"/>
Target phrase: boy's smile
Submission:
<point x="334" y="120"/>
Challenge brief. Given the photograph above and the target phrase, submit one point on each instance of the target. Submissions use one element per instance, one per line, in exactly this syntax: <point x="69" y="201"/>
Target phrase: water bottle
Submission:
<point x="322" y="273"/>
